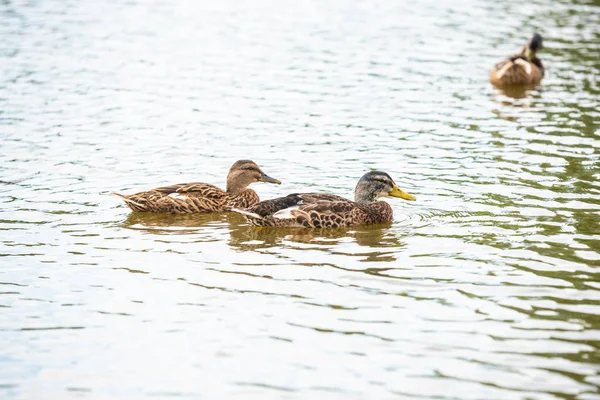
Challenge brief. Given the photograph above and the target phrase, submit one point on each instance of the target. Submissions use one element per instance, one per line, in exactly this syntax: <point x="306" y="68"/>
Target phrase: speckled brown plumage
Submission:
<point x="517" y="71"/>
<point x="201" y="197"/>
<point x="524" y="68"/>
<point x="189" y="198"/>
<point x="317" y="210"/>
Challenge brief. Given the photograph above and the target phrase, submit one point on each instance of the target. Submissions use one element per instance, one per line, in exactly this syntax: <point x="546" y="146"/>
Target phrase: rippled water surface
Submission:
<point x="486" y="287"/>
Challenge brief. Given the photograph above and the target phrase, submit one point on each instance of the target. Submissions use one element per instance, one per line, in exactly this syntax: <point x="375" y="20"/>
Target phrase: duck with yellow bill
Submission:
<point x="321" y="210"/>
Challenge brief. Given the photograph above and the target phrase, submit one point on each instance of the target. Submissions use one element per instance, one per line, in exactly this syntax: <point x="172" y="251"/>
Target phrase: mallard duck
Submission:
<point x="522" y="68"/>
<point x="320" y="210"/>
<point x="202" y="197"/>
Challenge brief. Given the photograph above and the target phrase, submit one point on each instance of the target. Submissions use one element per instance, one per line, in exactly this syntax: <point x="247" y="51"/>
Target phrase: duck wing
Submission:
<point x="204" y="196"/>
<point x="292" y="201"/>
<point x="322" y="214"/>
<point x="181" y="198"/>
<point x="328" y="207"/>
<point x="300" y="209"/>
<point x="192" y="189"/>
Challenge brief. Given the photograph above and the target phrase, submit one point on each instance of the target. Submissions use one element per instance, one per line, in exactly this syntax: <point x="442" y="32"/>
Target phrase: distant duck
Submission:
<point x="520" y="69"/>
<point x="320" y="210"/>
<point x="202" y="197"/>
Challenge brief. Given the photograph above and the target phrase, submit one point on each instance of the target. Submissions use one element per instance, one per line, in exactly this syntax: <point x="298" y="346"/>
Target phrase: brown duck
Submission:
<point x="320" y="210"/>
<point x="520" y="69"/>
<point x="202" y="197"/>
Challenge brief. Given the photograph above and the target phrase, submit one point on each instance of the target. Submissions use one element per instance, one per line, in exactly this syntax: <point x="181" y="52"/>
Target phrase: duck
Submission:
<point x="520" y="69"/>
<point x="322" y="210"/>
<point x="198" y="197"/>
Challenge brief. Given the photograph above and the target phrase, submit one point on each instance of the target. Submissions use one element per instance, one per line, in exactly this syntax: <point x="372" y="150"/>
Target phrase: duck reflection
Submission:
<point x="244" y="237"/>
<point x="514" y="98"/>
<point x="250" y="238"/>
<point x="518" y="92"/>
<point x="166" y="224"/>
<point x="514" y="95"/>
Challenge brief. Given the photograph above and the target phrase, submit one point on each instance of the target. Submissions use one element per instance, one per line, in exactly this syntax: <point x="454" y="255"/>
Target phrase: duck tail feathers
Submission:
<point x="245" y="213"/>
<point x="127" y="199"/>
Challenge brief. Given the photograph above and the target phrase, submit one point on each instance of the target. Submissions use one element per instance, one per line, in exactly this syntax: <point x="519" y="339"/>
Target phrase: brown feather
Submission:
<point x="198" y="197"/>
<point x="191" y="198"/>
<point x="518" y="70"/>
<point x="317" y="210"/>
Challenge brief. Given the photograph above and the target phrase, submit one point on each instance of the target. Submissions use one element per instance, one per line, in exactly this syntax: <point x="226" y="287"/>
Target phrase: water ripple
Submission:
<point x="486" y="287"/>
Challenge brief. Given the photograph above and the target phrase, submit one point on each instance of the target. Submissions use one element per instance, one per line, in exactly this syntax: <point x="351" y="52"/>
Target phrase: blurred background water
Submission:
<point x="486" y="287"/>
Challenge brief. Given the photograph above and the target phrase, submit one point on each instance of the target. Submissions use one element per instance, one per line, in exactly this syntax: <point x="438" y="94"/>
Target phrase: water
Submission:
<point x="486" y="287"/>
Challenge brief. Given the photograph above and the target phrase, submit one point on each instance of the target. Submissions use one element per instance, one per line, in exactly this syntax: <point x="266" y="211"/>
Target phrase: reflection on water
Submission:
<point x="487" y="287"/>
<point x="244" y="237"/>
<point x="165" y="224"/>
<point x="519" y="92"/>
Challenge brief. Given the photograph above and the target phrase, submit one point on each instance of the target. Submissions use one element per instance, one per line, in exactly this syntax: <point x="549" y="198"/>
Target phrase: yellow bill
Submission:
<point x="397" y="192"/>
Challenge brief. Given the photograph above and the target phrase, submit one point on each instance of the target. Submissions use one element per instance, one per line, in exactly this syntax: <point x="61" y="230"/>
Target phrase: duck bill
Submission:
<point x="266" y="178"/>
<point x="397" y="192"/>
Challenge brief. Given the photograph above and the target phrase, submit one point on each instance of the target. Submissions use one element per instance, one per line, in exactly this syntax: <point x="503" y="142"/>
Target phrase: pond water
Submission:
<point x="486" y="287"/>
